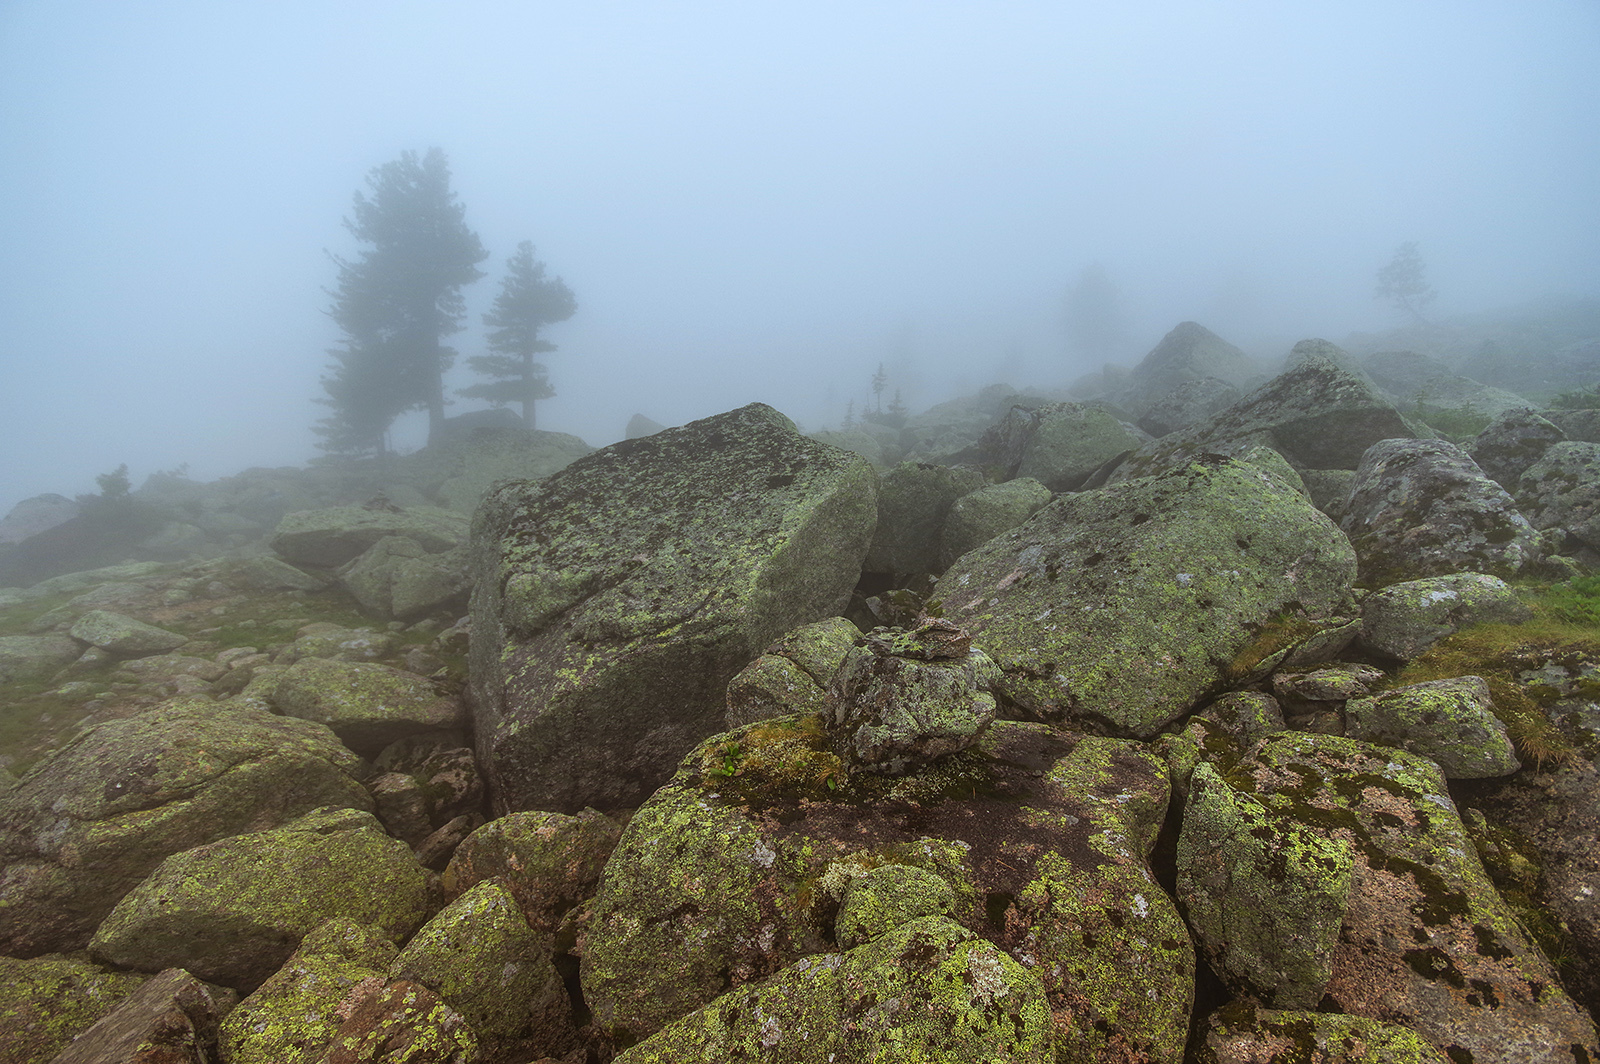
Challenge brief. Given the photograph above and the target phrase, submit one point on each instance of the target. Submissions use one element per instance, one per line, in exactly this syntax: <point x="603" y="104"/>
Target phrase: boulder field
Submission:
<point x="1223" y="719"/>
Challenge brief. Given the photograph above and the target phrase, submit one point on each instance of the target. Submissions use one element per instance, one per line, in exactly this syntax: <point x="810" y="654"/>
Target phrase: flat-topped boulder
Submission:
<point x="615" y="599"/>
<point x="333" y="536"/>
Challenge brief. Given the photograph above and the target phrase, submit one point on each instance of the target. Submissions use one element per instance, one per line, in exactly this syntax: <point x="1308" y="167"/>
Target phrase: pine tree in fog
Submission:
<point x="528" y="301"/>
<point x="1403" y="282"/>
<point x="397" y="301"/>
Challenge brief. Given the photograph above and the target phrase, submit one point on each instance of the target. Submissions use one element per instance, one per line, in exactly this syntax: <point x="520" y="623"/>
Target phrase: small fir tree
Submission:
<point x="1403" y="283"/>
<point x="528" y="301"/>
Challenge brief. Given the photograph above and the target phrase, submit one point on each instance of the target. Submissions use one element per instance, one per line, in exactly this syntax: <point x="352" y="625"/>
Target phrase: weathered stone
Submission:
<point x="549" y="861"/>
<point x="930" y="990"/>
<point x="603" y="641"/>
<point x="913" y="501"/>
<point x="101" y="813"/>
<point x="471" y="464"/>
<point x="1428" y="383"/>
<point x="1058" y="444"/>
<point x="1329" y="489"/>
<point x="481" y="957"/>
<point x="1243" y="1034"/>
<point x="1332" y="683"/>
<point x="47" y="1001"/>
<point x="1187" y="404"/>
<point x="398" y="1022"/>
<point x="263" y="572"/>
<point x="397" y="578"/>
<point x="324" y="639"/>
<point x="233" y="911"/>
<point x="791" y="675"/>
<point x="1562" y="490"/>
<point x="1513" y="442"/>
<point x="1423" y="508"/>
<point x="1451" y="721"/>
<point x="903" y="698"/>
<point x="367" y="705"/>
<point x="1128" y="605"/>
<point x="326" y="539"/>
<point x="1403" y="620"/>
<point x="886" y="897"/>
<point x="171" y="1019"/>
<point x="979" y="516"/>
<point x="1190" y="352"/>
<point x="124" y="635"/>
<point x="35" y="657"/>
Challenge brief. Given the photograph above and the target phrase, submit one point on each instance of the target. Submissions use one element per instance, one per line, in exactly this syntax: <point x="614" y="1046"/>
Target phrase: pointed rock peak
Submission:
<point x="1190" y="351"/>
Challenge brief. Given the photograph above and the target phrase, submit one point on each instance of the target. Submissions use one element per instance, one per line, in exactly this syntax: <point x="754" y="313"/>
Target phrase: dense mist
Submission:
<point x="754" y="202"/>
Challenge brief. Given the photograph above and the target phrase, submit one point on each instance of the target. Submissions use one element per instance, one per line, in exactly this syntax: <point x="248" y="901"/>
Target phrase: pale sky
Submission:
<point x="752" y="201"/>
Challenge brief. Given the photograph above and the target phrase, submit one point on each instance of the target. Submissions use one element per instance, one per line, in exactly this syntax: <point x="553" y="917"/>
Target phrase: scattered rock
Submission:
<point x="1403" y="620"/>
<point x="367" y="705"/>
<point x="1511" y="443"/>
<point x="171" y="1019"/>
<point x="328" y="538"/>
<point x="979" y="516"/>
<point x="47" y="1001"/>
<point x="1562" y="490"/>
<point x="124" y="635"/>
<point x="914" y="500"/>
<point x="1451" y="721"/>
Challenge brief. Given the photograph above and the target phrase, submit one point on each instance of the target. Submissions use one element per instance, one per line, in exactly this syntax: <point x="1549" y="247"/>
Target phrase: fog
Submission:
<point x="752" y="201"/>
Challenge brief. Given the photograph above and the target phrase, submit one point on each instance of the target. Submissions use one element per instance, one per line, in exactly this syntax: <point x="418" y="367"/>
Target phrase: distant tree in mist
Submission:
<point x="1403" y="282"/>
<point x="1093" y="313"/>
<point x="397" y="301"/>
<point x="528" y="301"/>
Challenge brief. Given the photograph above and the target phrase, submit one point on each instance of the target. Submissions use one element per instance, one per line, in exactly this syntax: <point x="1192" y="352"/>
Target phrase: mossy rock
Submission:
<point x="981" y="515"/>
<point x="792" y="675"/>
<point x="233" y="911"/>
<point x="95" y="818"/>
<point x="1243" y="1034"/>
<point x="615" y="599"/>
<point x="367" y="705"/>
<point x="328" y="538"/>
<point x="550" y="862"/>
<point x="927" y="991"/>
<point x="914" y="499"/>
<point x="1125" y="606"/>
<point x="1451" y="721"/>
<point x="885" y="897"/>
<point x="47" y="1001"/>
<point x="1562" y="490"/>
<point x="1403" y="620"/>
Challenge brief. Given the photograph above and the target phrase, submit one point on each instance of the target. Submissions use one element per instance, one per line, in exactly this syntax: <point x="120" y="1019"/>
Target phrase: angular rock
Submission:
<point x="1265" y="896"/>
<point x="1243" y="1034"/>
<point x="1562" y="490"/>
<point x="400" y="1022"/>
<point x="792" y="675"/>
<point x="1513" y="442"/>
<point x="124" y="635"/>
<point x="930" y="990"/>
<point x="171" y="1019"/>
<point x="367" y="705"/>
<point x="35" y="657"/>
<point x="470" y="465"/>
<point x="1190" y="352"/>
<point x="1429" y="383"/>
<point x="549" y="862"/>
<point x="1130" y="604"/>
<point x="324" y="639"/>
<point x="1423" y="508"/>
<point x="1451" y="721"/>
<point x="1317" y="415"/>
<point x="1187" y="404"/>
<point x="1058" y="444"/>
<point x="913" y="501"/>
<point x="1403" y="620"/>
<point x="903" y="698"/>
<point x="979" y="516"/>
<point x="615" y="599"/>
<point x="326" y="539"/>
<point x="887" y="897"/>
<point x="47" y="1001"/>
<point x="233" y="911"/>
<point x="294" y="1014"/>
<point x="263" y="572"/>
<point x="1329" y="489"/>
<point x="481" y="957"/>
<point x="100" y="814"/>
<point x="397" y="578"/>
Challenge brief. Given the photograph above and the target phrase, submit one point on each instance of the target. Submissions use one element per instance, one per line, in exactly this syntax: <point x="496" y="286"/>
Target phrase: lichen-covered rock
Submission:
<point x="1333" y="682"/>
<point x="123" y="635"/>
<point x="981" y="515"/>
<point x="1265" y="896"/>
<point x="292" y="1016"/>
<point x="1562" y="490"/>
<point x="482" y="958"/>
<point x="263" y="572"/>
<point x="1059" y="444"/>
<point x="328" y="538"/>
<point x="398" y="1022"/>
<point x="1127" y="605"/>
<point x="886" y="897"/>
<point x="1427" y="941"/>
<point x="1511" y="443"/>
<point x="35" y="657"/>
<point x="1190" y="352"/>
<point x="791" y="675"/>
<point x="1189" y="403"/>
<point x="1403" y="620"/>
<point x="550" y="862"/>
<point x="1243" y="1034"/>
<point x="1423" y="508"/>
<point x="615" y="599"/>
<point x="1317" y="414"/>
<point x="470" y="464"/>
<point x="171" y="1019"/>
<point x="233" y="911"/>
<point x="736" y="869"/>
<point x="398" y="577"/>
<point x="1329" y="489"/>
<point x="930" y="990"/>
<point x="1451" y="721"/>
<point x="367" y="705"/>
<point x="96" y="817"/>
<point x="47" y="1001"/>
<point x="914" y="500"/>
<point x="903" y="698"/>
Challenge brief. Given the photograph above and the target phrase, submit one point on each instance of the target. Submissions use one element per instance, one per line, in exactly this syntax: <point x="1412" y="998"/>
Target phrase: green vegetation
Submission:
<point x="1458" y="424"/>
<point x="1577" y="399"/>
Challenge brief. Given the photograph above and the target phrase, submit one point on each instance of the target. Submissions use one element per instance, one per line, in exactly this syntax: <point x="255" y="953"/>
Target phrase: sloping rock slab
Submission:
<point x="90" y="822"/>
<point x="172" y="1019"/>
<point x="615" y="599"/>
<point x="1128" y="605"/>
<point x="367" y="705"/>
<point x="330" y="537"/>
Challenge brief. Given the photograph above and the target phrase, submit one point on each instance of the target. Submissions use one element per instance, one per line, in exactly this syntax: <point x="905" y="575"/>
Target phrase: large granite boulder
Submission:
<point x="1451" y="721"/>
<point x="1240" y="1033"/>
<point x="96" y="817"/>
<point x="550" y="862"/>
<point x="739" y="869"/>
<point x="367" y="705"/>
<point x="1403" y="620"/>
<point x="120" y="634"/>
<point x="1058" y="444"/>
<point x="914" y="500"/>
<point x="1562" y="490"/>
<point x="1129" y="605"/>
<point x="1317" y="414"/>
<point x="233" y="911"/>
<point x="1511" y="443"/>
<point x="791" y="675"/>
<point x="35" y="657"/>
<point x="46" y="1001"/>
<point x="614" y="600"/>
<point x="1190" y="352"/>
<point x="328" y="538"/>
<point x="978" y="517"/>
<point x="1422" y="508"/>
<point x="397" y="577"/>
<point x="1429" y="383"/>
<point x="478" y="458"/>
<point x="1189" y="403"/>
<point x="171" y="1019"/>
